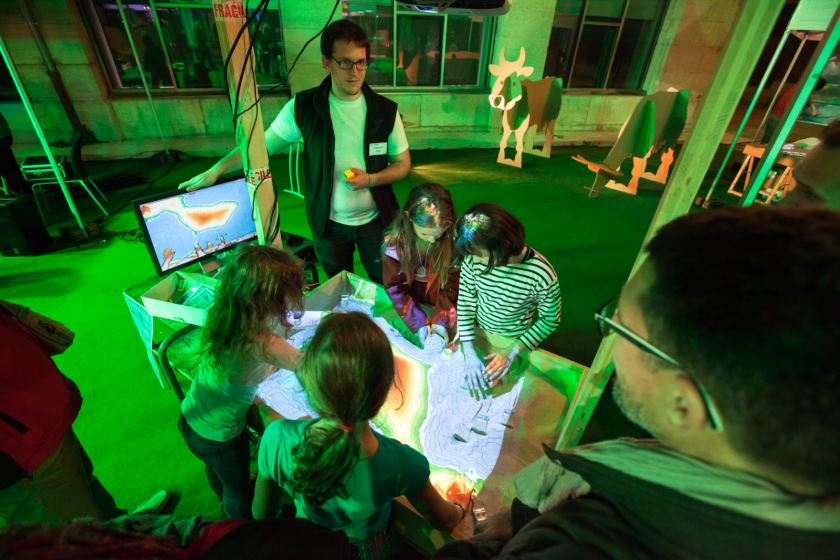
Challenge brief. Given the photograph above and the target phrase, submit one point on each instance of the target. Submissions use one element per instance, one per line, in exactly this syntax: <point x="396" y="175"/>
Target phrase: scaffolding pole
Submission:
<point x="40" y="132"/>
<point x="781" y="86"/>
<point x="749" y="112"/>
<point x="230" y="19"/>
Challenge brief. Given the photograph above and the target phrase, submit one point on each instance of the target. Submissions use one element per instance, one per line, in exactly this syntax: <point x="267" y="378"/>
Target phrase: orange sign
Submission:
<point x="229" y="11"/>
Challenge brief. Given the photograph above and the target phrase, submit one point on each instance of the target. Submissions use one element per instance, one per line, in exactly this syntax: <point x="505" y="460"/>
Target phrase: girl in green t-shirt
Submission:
<point x="342" y="474"/>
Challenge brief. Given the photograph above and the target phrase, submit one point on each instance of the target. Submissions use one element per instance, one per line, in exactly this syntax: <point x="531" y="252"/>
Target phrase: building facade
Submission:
<point x="608" y="53"/>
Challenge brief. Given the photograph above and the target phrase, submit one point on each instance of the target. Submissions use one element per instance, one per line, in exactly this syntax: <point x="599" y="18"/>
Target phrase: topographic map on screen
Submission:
<point x="189" y="226"/>
<point x="425" y="409"/>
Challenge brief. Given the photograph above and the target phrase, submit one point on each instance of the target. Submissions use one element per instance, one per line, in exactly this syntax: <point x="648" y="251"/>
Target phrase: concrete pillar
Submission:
<point x="696" y="47"/>
<point x="528" y="24"/>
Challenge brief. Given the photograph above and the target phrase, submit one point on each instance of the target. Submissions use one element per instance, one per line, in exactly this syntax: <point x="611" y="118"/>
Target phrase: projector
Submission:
<point x="458" y="7"/>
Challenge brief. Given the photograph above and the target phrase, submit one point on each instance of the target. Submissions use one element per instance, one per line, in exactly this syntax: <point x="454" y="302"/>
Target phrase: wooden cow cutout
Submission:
<point x="653" y="128"/>
<point x="528" y="106"/>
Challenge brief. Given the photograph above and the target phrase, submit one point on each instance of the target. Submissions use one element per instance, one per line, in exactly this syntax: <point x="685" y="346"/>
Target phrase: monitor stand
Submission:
<point x="209" y="266"/>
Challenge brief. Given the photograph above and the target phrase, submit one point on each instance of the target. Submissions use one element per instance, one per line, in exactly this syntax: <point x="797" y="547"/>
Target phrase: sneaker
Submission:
<point x="154" y="505"/>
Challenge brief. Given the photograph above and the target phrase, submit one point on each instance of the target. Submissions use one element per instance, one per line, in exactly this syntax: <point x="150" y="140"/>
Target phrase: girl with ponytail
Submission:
<point x="342" y="474"/>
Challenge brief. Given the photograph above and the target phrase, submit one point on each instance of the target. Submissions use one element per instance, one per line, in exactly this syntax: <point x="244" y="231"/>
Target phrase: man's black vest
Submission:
<point x="312" y="115"/>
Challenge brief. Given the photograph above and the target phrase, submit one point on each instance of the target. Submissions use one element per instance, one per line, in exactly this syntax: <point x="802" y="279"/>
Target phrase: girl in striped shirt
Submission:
<point x="502" y="282"/>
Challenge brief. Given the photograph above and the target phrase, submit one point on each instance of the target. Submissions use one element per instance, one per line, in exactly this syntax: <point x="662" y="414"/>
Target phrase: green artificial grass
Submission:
<point x="128" y="422"/>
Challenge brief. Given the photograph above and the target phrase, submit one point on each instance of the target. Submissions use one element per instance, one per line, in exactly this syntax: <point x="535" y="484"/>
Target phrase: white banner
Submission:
<point x="257" y="176"/>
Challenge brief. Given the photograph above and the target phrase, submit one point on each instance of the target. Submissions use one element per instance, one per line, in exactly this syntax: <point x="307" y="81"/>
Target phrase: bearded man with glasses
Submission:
<point x="724" y="350"/>
<point x="345" y="126"/>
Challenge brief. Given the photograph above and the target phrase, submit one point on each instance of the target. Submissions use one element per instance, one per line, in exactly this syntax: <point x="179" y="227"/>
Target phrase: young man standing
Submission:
<point x="345" y="125"/>
<point x="742" y="397"/>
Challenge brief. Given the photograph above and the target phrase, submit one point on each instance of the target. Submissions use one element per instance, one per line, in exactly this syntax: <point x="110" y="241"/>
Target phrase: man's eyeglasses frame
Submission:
<point x="348" y="64"/>
<point x="606" y="324"/>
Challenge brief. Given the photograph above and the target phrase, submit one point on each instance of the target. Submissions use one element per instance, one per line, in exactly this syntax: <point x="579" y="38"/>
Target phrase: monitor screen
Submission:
<point x="181" y="228"/>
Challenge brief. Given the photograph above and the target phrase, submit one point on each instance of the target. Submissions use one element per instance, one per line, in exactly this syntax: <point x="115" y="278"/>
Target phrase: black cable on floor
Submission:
<point x="151" y="184"/>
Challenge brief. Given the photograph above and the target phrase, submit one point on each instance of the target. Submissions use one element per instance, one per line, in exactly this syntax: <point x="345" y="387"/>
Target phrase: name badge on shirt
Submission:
<point x="379" y="149"/>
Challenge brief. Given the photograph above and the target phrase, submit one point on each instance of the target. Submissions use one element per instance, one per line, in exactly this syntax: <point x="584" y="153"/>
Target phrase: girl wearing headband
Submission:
<point x="419" y="262"/>
<point x="342" y="474"/>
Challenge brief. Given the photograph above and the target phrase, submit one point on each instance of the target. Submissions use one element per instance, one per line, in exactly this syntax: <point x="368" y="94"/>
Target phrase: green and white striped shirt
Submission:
<point x="504" y="300"/>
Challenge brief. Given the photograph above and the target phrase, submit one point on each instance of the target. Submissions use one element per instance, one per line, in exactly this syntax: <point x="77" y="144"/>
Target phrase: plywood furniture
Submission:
<point x="752" y="152"/>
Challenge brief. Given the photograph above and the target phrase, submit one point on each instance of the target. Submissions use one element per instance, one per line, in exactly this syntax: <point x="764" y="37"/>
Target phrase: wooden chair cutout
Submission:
<point x="784" y="181"/>
<point x="528" y="106"/>
<point x="653" y="128"/>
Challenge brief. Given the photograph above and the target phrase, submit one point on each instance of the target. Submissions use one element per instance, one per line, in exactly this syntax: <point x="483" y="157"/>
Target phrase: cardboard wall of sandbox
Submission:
<point x="548" y="382"/>
<point x="545" y="383"/>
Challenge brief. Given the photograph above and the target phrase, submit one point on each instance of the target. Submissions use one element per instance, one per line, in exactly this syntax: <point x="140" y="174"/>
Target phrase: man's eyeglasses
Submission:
<point x="360" y="65"/>
<point x="607" y="326"/>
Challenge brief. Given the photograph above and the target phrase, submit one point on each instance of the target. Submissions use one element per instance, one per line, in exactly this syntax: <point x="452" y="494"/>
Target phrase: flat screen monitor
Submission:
<point x="181" y="228"/>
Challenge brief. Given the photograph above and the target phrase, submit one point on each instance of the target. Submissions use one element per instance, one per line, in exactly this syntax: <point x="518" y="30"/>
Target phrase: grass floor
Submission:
<point x="128" y="423"/>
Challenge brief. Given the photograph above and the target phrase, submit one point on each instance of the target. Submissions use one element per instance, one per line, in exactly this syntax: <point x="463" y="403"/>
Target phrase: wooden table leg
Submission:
<point x="788" y="182"/>
<point x="747" y="159"/>
<point x="777" y="181"/>
<point x="749" y="173"/>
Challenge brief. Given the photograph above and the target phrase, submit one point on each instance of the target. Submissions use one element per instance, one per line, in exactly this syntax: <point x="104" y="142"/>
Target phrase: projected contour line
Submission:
<point x="197" y="218"/>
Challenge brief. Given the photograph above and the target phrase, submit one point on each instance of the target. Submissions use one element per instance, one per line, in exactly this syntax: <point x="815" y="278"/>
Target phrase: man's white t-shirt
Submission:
<point x="347" y="207"/>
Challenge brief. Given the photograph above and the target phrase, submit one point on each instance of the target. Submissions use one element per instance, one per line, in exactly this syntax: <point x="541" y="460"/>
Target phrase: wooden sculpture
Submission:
<point x="653" y="128"/>
<point x="528" y="106"/>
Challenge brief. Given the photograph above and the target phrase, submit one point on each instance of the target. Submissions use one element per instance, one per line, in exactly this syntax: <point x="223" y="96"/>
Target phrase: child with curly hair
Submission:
<point x="260" y="291"/>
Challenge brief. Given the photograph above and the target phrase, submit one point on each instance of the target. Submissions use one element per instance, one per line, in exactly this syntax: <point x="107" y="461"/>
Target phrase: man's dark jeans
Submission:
<point x="227" y="466"/>
<point x="336" y="246"/>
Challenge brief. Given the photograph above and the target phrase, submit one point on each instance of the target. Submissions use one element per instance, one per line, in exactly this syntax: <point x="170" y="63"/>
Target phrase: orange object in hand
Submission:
<point x="349" y="174"/>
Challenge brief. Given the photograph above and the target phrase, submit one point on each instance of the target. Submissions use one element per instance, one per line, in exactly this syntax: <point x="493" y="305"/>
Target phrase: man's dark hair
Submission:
<point x="820" y="84"/>
<point x="345" y="30"/>
<point x="489" y="227"/>
<point x="748" y="301"/>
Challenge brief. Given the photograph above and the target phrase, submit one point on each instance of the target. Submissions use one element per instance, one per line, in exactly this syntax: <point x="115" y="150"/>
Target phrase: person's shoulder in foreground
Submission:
<point x="818" y="174"/>
<point x="725" y="353"/>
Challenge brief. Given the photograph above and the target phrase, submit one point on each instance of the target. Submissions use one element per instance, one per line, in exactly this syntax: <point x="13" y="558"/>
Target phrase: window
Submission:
<point x="178" y="44"/>
<point x="421" y="49"/>
<point x="377" y="19"/>
<point x="598" y="44"/>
